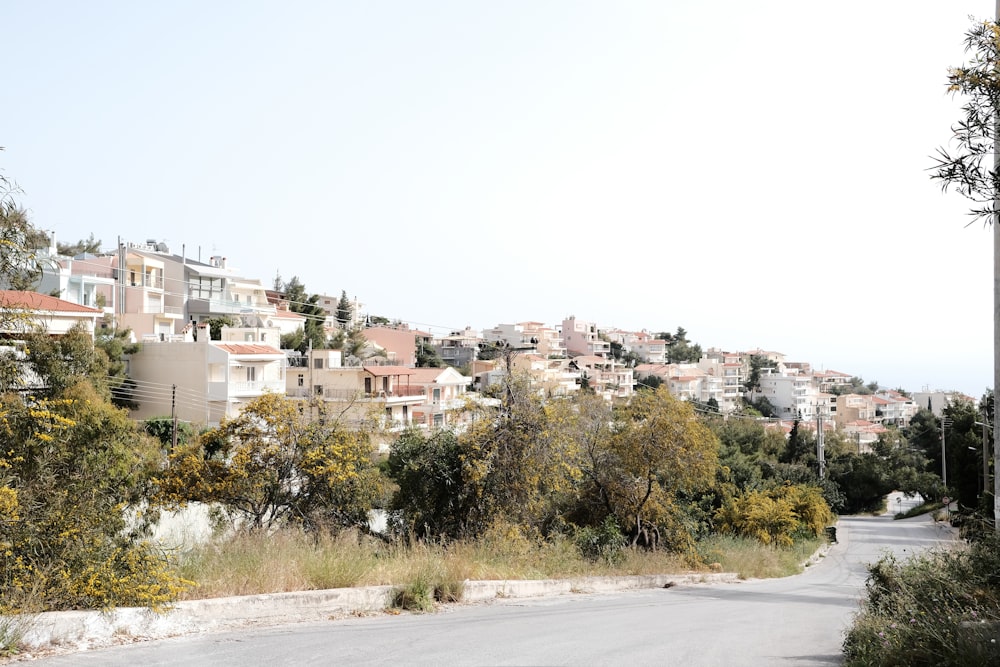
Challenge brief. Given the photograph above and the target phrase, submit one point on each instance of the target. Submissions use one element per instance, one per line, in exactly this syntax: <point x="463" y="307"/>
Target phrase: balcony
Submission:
<point x="215" y="306"/>
<point x="221" y="391"/>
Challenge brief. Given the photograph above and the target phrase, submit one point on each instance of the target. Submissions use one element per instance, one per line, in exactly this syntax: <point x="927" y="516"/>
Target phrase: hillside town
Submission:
<point x="180" y="369"/>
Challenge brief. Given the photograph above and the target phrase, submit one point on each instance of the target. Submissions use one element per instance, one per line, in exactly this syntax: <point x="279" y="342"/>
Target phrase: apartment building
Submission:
<point x="203" y="381"/>
<point x="583" y="339"/>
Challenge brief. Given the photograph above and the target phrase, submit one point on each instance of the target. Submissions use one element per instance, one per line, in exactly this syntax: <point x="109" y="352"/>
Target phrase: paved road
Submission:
<point x="793" y="621"/>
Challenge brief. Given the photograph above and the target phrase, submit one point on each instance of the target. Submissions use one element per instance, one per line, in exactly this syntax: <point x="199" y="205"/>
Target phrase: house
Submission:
<point x="583" y="339"/>
<point x="87" y="279"/>
<point x="53" y="315"/>
<point x="648" y="348"/>
<point x="460" y="348"/>
<point x="606" y="377"/>
<point x="444" y="396"/>
<point x="400" y="345"/>
<point x="357" y="394"/>
<point x="792" y="395"/>
<point x="893" y="407"/>
<point x="548" y="377"/>
<point x="201" y="380"/>
<point x="203" y="291"/>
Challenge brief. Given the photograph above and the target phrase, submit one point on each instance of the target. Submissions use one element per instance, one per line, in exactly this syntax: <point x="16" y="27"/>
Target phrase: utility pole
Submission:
<point x="173" y="418"/>
<point x="996" y="300"/>
<point x="820" y="444"/>
<point x="944" y="455"/>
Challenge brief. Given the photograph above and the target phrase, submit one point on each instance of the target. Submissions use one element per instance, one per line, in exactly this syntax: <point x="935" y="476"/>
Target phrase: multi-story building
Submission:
<point x="583" y="339"/>
<point x="201" y="380"/>
<point x="894" y="408"/>
<point x="357" y="394"/>
<point x="605" y="376"/>
<point x="444" y="397"/>
<point x="792" y="395"/>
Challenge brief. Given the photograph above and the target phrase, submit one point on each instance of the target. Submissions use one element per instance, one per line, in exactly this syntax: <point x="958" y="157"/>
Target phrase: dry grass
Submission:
<point x="291" y="561"/>
<point x="751" y="559"/>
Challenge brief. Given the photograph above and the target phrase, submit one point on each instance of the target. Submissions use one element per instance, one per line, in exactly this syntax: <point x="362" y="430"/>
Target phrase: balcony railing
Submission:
<point x="155" y="282"/>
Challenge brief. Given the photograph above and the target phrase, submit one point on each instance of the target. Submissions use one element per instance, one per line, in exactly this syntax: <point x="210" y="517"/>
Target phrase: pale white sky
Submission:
<point x="755" y="172"/>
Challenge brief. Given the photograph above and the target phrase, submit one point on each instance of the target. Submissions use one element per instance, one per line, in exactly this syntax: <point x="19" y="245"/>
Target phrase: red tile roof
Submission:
<point x="36" y="301"/>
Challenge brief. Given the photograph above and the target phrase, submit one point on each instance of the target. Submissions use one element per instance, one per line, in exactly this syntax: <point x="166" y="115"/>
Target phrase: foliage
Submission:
<point x="758" y="362"/>
<point x="70" y="466"/>
<point x="116" y="344"/>
<point x="274" y="466"/>
<point x="969" y="166"/>
<point x="605" y="542"/>
<point x="428" y="357"/>
<point x="162" y="428"/>
<point x="66" y="360"/>
<point x="775" y="515"/>
<point x="679" y="349"/>
<point x="517" y="459"/>
<point x="87" y="245"/>
<point x="636" y="460"/>
<point x="345" y="310"/>
<point x="20" y="265"/>
<point x="215" y="325"/>
<point x="432" y="499"/>
<point x="935" y="608"/>
<point x="300" y="302"/>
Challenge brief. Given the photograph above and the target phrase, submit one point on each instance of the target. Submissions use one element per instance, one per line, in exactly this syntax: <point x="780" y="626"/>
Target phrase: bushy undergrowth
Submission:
<point x="938" y="608"/>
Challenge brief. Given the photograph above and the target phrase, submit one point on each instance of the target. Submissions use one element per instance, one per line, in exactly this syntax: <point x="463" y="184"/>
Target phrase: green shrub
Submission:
<point x="939" y="608"/>
<point x="604" y="543"/>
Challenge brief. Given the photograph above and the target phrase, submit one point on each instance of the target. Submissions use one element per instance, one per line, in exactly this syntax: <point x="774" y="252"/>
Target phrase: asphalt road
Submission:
<point x="793" y="621"/>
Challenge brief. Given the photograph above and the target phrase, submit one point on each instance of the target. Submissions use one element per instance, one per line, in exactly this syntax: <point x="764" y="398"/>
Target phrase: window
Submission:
<point x="437" y="394"/>
<point x="251" y="373"/>
<point x="439" y="419"/>
<point x="318" y="389"/>
<point x="318" y="363"/>
<point x="302" y="380"/>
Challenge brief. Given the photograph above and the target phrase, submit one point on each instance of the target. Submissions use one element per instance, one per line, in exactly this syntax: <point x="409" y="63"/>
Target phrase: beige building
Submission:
<point x="583" y="339"/>
<point x="202" y="381"/>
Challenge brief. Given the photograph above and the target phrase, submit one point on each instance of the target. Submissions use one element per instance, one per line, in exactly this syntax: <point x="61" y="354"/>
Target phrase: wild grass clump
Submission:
<point x="752" y="559"/>
<point x="425" y="572"/>
<point x="12" y="630"/>
<point x="937" y="608"/>
<point x="286" y="560"/>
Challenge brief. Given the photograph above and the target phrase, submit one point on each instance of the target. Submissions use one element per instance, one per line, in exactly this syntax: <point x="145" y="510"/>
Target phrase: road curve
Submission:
<point x="793" y="621"/>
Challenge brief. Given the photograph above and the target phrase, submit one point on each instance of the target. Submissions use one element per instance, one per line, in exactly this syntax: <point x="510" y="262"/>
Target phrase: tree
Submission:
<point x="115" y="345"/>
<point x="87" y="245"/>
<point x="73" y="464"/>
<point x="432" y="499"/>
<point x="758" y="362"/>
<point x="20" y="265"/>
<point x="61" y="362"/>
<point x="638" y="458"/>
<point x="215" y="325"/>
<point x="345" y="310"/>
<point x="428" y="357"/>
<point x="972" y="167"/>
<point x="313" y="334"/>
<point x="272" y="466"/>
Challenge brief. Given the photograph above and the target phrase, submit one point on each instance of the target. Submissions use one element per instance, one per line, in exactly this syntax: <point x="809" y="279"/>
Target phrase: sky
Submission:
<point x="754" y="172"/>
